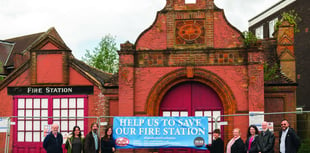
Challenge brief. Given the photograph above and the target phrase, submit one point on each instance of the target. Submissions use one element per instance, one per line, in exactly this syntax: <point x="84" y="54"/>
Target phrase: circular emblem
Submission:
<point x="122" y="142"/>
<point x="189" y="32"/>
<point x="199" y="142"/>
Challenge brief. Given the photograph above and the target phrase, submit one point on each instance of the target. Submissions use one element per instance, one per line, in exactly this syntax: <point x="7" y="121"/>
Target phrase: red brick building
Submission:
<point x="189" y="62"/>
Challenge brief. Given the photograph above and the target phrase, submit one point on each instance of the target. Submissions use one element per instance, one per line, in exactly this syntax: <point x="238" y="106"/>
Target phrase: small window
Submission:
<point x="272" y="24"/>
<point x="190" y="1"/>
<point x="259" y="32"/>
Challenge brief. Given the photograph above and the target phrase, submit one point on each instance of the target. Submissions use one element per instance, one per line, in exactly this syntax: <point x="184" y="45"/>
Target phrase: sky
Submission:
<point x="82" y="24"/>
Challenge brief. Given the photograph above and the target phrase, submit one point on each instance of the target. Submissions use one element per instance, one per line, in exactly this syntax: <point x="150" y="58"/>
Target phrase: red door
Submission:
<point x="191" y="99"/>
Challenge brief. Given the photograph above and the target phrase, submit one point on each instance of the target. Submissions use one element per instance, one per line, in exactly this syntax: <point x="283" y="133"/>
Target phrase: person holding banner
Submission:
<point x="92" y="141"/>
<point x="107" y="142"/>
<point x="217" y="145"/>
<point x="252" y="142"/>
<point x="75" y="141"/>
<point x="236" y="145"/>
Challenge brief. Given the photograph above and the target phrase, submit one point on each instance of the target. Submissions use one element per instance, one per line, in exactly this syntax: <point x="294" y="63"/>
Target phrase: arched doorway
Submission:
<point x="191" y="99"/>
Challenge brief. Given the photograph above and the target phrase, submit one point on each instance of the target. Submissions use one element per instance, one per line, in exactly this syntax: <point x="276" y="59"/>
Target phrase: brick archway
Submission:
<point x="192" y="74"/>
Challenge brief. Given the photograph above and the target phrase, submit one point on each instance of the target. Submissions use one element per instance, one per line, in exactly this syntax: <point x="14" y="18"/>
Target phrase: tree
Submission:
<point x="104" y="56"/>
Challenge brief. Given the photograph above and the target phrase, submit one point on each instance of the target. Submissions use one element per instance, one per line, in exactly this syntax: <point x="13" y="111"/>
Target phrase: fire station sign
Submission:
<point x="51" y="90"/>
<point x="160" y="132"/>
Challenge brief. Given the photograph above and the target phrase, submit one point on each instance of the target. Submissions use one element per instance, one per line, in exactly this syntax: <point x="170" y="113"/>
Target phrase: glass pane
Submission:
<point x="21" y="113"/>
<point x="21" y="103"/>
<point x="56" y="113"/>
<point x="28" y="103"/>
<point x="36" y="113"/>
<point x="198" y="113"/>
<point x="28" y="113"/>
<point x="20" y="125"/>
<point x="210" y="139"/>
<point x="80" y="113"/>
<point x="208" y="113"/>
<point x="28" y="137"/>
<point x="80" y="124"/>
<point x="190" y="1"/>
<point x="71" y="125"/>
<point x="44" y="114"/>
<point x="72" y="103"/>
<point x="36" y="125"/>
<point x="64" y="102"/>
<point x="43" y="124"/>
<point x="209" y="127"/>
<point x="36" y="136"/>
<point x="36" y="103"/>
<point x="44" y="102"/>
<point x="64" y="126"/>
<point x="20" y="136"/>
<point x="28" y="125"/>
<point x="80" y="103"/>
<point x="217" y="114"/>
<point x="64" y="113"/>
<point x="72" y="113"/>
<point x="184" y="114"/>
<point x="56" y="103"/>
<point x="175" y="113"/>
<point x="166" y="113"/>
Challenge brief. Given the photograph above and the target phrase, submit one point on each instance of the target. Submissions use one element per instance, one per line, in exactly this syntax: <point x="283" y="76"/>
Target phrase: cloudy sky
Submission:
<point x="83" y="23"/>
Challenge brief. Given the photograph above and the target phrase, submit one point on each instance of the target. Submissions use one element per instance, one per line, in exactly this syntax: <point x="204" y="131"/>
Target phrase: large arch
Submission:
<point x="203" y="76"/>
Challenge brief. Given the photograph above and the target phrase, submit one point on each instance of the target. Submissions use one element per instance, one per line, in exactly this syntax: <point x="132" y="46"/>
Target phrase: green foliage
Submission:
<point x="1" y="71"/>
<point x="292" y="17"/>
<point x="305" y="146"/>
<point x="270" y="72"/>
<point x="249" y="38"/>
<point x="104" y="56"/>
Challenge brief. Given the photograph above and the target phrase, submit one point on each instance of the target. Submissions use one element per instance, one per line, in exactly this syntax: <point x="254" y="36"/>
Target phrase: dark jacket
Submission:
<point x="106" y="145"/>
<point x="89" y="143"/>
<point x="217" y="146"/>
<point x="266" y="142"/>
<point x="292" y="141"/>
<point x="255" y="148"/>
<point x="238" y="146"/>
<point x="52" y="144"/>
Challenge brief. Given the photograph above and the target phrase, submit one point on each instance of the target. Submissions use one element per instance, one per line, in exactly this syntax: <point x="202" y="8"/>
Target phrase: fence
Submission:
<point x="298" y="120"/>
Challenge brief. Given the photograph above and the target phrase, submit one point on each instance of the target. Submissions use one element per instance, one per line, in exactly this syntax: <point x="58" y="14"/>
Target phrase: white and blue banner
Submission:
<point x="160" y="132"/>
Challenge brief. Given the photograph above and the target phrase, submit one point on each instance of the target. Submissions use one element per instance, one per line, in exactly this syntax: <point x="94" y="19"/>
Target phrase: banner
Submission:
<point x="160" y="132"/>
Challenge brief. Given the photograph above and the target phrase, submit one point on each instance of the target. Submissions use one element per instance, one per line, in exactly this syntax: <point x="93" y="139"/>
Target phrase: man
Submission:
<point x="266" y="139"/>
<point x="92" y="141"/>
<point x="289" y="141"/>
<point x="53" y="141"/>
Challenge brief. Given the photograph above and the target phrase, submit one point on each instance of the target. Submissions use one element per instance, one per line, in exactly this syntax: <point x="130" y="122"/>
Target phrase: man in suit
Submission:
<point x="266" y="139"/>
<point x="92" y="141"/>
<point x="289" y="141"/>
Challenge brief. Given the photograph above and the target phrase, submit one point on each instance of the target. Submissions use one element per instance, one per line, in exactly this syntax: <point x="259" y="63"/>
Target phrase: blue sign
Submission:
<point x="160" y="132"/>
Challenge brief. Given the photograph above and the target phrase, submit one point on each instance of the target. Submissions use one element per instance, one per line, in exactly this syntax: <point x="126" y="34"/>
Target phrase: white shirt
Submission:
<point x="282" y="144"/>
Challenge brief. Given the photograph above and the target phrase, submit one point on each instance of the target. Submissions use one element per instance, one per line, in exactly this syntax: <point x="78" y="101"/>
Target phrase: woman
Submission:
<point x="217" y="145"/>
<point x="251" y="143"/>
<point x="75" y="141"/>
<point x="235" y="145"/>
<point x="107" y="142"/>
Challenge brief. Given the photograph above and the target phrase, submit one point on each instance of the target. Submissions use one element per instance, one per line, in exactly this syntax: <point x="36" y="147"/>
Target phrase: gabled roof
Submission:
<point x="5" y="50"/>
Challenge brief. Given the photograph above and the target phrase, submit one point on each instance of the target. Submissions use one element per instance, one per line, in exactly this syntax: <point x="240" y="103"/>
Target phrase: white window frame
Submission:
<point x="272" y="24"/>
<point x="259" y="32"/>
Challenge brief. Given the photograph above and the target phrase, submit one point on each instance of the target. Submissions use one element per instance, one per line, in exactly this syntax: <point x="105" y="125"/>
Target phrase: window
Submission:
<point x="190" y="1"/>
<point x="31" y="129"/>
<point x="175" y="113"/>
<point x="272" y="24"/>
<point x="259" y="32"/>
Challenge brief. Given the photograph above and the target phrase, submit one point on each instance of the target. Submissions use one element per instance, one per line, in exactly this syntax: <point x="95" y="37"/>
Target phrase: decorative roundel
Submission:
<point x="190" y="31"/>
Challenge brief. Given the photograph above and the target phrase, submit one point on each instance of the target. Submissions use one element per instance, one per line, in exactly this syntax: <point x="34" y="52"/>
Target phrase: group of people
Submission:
<point x="256" y="142"/>
<point x="76" y="143"/>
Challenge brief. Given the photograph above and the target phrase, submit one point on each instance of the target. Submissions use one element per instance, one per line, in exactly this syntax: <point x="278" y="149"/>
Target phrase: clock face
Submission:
<point x="189" y="32"/>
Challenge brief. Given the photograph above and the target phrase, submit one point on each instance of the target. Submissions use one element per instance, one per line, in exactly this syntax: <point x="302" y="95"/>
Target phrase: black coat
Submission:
<point x="89" y="143"/>
<point x="106" y="145"/>
<point x="292" y="141"/>
<point x="52" y="144"/>
<point x="217" y="146"/>
<point x="238" y="146"/>
<point x="255" y="148"/>
<point x="266" y="142"/>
